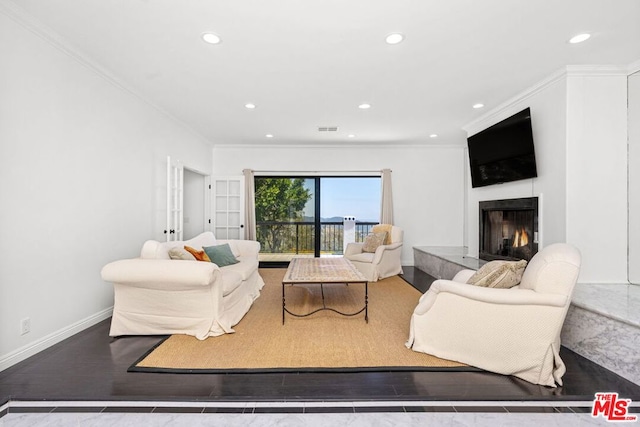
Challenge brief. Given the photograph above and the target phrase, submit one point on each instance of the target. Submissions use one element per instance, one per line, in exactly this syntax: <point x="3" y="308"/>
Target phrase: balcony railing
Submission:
<point x="283" y="240"/>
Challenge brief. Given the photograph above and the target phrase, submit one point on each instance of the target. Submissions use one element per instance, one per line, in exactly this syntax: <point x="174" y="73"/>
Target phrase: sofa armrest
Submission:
<point x="160" y="273"/>
<point x="245" y="248"/>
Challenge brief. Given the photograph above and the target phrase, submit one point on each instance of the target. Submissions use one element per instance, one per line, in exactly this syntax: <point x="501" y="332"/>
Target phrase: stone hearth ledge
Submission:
<point x="603" y="322"/>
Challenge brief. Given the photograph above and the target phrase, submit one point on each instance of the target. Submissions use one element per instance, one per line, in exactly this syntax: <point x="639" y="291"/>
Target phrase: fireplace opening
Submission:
<point x="508" y="229"/>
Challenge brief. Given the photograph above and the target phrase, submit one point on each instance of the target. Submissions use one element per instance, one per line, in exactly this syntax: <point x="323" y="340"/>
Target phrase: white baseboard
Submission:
<point x="37" y="346"/>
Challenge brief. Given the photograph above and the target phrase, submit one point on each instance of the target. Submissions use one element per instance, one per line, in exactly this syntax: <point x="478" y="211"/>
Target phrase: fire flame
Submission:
<point x="521" y="238"/>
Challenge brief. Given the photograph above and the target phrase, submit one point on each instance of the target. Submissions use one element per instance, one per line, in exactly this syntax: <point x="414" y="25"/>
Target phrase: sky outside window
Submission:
<point x="354" y="196"/>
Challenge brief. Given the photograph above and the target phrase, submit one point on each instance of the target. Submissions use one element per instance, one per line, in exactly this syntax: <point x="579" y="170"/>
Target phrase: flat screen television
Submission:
<point x="503" y="152"/>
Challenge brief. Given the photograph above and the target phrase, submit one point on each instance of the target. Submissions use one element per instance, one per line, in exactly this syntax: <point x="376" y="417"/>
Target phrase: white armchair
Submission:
<point x="384" y="262"/>
<point x="512" y="331"/>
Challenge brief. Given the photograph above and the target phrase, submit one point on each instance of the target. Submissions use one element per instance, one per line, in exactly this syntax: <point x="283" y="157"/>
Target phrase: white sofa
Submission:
<point x="155" y="295"/>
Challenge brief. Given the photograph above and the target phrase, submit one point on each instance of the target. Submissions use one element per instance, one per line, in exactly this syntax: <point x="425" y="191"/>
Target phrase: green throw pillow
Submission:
<point x="220" y="255"/>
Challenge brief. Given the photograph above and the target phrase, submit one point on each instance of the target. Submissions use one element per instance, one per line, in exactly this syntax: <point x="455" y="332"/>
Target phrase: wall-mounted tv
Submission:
<point x="503" y="152"/>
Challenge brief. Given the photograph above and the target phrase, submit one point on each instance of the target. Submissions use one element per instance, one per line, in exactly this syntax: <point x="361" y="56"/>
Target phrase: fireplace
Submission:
<point x="508" y="229"/>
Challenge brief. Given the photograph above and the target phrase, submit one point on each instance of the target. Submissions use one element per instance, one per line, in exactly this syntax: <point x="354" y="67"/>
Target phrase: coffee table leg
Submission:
<point x="366" y="301"/>
<point x="283" y="303"/>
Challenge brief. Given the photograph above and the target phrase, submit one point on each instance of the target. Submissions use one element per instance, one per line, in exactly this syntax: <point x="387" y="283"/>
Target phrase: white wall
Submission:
<point x="81" y="184"/>
<point x="579" y="129"/>
<point x="597" y="174"/>
<point x="634" y="177"/>
<point x="548" y="121"/>
<point x="428" y="182"/>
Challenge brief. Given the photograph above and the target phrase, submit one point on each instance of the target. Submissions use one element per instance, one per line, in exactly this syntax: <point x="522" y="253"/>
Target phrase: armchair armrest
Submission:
<point x="353" y="249"/>
<point x="463" y="276"/>
<point x="160" y="273"/>
<point x="488" y="295"/>
<point x="380" y="250"/>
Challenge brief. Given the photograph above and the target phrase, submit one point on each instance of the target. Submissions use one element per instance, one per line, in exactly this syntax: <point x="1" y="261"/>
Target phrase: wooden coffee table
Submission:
<point x="305" y="271"/>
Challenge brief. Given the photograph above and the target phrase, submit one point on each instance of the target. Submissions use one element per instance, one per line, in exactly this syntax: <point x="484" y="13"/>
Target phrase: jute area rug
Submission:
<point x="322" y="342"/>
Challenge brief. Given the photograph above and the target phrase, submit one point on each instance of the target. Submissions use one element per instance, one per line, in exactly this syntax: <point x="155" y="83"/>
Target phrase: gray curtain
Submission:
<point x="249" y="205"/>
<point x="386" y="210"/>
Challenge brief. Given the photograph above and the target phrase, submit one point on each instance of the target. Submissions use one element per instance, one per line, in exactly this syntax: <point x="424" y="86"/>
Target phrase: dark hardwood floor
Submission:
<point x="92" y="366"/>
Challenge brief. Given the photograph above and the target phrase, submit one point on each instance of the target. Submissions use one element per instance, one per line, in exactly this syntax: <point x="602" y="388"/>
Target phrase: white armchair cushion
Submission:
<point x="363" y="257"/>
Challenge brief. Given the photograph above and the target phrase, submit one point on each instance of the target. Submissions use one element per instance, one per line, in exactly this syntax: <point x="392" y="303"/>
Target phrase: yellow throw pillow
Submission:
<point x="372" y="241"/>
<point x="499" y="274"/>
<point x="199" y="255"/>
<point x="383" y="228"/>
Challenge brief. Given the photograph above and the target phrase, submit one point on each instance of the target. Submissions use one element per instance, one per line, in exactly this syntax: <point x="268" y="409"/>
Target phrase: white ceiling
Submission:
<point x="310" y="63"/>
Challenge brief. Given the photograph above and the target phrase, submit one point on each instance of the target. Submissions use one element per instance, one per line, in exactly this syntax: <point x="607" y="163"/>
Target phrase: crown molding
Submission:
<point x="498" y="113"/>
<point x="596" y="70"/>
<point x="503" y="110"/>
<point x="634" y="67"/>
<point x="36" y="27"/>
<point x="376" y="146"/>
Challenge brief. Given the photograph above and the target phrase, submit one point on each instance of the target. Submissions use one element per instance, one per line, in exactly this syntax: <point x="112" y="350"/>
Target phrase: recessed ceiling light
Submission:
<point x="351" y="135"/>
<point x="433" y="135"/>
<point x="579" y="38"/>
<point x="478" y="105"/>
<point x="269" y="135"/>
<point x="211" y="38"/>
<point x="394" y="38"/>
<point x="364" y="106"/>
<point x="250" y="106"/>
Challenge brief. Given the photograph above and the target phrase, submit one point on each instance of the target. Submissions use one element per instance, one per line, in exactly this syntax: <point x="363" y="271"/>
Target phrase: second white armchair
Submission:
<point x="384" y="262"/>
<point x="512" y="331"/>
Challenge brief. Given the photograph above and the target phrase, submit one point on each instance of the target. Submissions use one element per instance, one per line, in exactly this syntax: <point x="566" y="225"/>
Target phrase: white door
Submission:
<point x="175" y="200"/>
<point x="227" y="208"/>
<point x="195" y="206"/>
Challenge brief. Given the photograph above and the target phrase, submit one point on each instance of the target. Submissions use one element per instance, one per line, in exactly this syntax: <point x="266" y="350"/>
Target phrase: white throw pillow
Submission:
<point x="181" y="254"/>
<point x="499" y="274"/>
<point x="372" y="241"/>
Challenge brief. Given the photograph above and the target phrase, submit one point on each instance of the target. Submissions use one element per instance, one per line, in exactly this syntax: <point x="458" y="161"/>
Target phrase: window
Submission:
<point x="303" y="216"/>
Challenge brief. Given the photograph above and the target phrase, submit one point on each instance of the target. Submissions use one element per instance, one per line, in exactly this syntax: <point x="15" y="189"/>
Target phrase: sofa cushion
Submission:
<point x="199" y="255"/>
<point x="499" y="274"/>
<point x="230" y="280"/>
<point x="220" y="255"/>
<point x="245" y="267"/>
<point x="181" y="254"/>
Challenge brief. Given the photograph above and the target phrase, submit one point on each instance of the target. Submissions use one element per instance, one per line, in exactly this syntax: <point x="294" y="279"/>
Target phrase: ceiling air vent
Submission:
<point x="327" y="128"/>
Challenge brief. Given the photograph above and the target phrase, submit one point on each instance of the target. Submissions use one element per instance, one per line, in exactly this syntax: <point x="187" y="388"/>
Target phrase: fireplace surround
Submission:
<point x="508" y="229"/>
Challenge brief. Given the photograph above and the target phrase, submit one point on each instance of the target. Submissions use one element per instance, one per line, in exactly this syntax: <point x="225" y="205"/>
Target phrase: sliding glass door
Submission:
<point x="285" y="217"/>
<point x="304" y="216"/>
